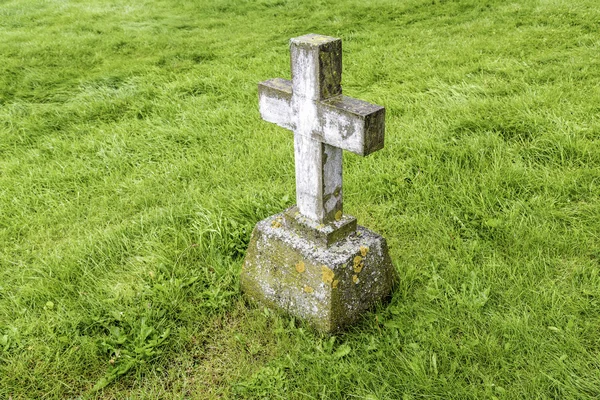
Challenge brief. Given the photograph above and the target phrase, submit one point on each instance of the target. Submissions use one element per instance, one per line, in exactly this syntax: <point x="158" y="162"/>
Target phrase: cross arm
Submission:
<point x="351" y="124"/>
<point x="274" y="102"/>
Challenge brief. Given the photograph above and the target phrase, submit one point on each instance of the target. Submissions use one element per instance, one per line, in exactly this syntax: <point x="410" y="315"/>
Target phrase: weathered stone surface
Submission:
<point x="352" y="125"/>
<point x="316" y="66"/>
<point x="274" y="102"/>
<point x="330" y="287"/>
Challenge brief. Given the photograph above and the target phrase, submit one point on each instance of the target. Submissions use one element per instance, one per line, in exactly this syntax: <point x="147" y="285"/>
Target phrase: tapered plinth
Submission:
<point x="327" y="284"/>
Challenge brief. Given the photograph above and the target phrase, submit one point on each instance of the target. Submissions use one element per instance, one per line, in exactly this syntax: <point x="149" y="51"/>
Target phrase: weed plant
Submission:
<point x="134" y="165"/>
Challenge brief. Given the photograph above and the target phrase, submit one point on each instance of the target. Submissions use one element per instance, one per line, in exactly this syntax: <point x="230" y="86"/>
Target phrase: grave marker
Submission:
<point x="309" y="260"/>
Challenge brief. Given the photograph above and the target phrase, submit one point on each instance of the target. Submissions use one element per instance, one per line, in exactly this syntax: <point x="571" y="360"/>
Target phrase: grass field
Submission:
<point x="134" y="164"/>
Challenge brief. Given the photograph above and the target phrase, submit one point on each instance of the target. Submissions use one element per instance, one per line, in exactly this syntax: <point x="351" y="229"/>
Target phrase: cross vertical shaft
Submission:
<point x="316" y="75"/>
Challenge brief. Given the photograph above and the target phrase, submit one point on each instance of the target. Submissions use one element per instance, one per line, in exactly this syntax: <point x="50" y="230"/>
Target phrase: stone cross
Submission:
<point x="323" y="120"/>
<point x="313" y="261"/>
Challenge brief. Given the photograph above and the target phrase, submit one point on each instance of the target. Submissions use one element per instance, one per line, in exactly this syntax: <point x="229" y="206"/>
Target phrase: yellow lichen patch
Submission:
<point x="355" y="279"/>
<point x="357" y="260"/>
<point x="338" y="215"/>
<point x="335" y="283"/>
<point x="320" y="226"/>
<point x="328" y="274"/>
<point x="276" y="224"/>
<point x="308" y="289"/>
<point x="300" y="267"/>
<point x="358" y="268"/>
<point x="364" y="250"/>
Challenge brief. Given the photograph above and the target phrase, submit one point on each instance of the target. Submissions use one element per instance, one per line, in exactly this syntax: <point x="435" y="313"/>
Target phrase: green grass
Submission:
<point x="134" y="164"/>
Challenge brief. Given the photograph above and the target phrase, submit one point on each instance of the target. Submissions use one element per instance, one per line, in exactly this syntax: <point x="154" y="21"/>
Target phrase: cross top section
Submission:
<point x="324" y="123"/>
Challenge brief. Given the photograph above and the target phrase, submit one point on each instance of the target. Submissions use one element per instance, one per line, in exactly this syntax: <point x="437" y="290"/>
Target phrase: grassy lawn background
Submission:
<point x="134" y="164"/>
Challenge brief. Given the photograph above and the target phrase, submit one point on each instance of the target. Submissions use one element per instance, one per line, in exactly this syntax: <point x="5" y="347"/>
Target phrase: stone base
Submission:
<point x="327" y="284"/>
